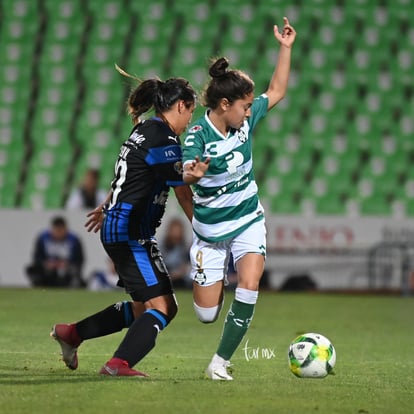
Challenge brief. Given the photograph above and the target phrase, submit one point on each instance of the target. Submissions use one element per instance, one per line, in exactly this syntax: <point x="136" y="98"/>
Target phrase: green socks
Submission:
<point x="235" y="326"/>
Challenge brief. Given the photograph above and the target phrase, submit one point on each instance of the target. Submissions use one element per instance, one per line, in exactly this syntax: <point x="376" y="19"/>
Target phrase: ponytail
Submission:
<point x="158" y="95"/>
<point x="143" y="98"/>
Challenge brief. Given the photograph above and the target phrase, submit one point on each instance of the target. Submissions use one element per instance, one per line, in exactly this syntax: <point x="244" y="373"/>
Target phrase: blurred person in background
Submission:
<point x="174" y="248"/>
<point x="58" y="257"/>
<point x="88" y="195"/>
<point x="105" y="279"/>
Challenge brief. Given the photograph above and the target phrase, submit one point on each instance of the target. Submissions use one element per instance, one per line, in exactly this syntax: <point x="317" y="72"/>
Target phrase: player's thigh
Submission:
<point x="209" y="263"/>
<point x="141" y="270"/>
<point x="249" y="252"/>
<point x="250" y="270"/>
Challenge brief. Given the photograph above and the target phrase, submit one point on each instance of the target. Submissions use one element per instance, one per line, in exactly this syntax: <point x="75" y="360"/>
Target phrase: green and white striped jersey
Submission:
<point x="225" y="199"/>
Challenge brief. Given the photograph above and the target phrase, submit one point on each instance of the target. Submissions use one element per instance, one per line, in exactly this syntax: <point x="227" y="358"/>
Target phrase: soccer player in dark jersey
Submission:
<point x="149" y="163"/>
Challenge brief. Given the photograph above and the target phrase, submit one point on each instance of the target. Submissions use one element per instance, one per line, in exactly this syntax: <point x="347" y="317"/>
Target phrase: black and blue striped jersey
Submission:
<point x="149" y="163"/>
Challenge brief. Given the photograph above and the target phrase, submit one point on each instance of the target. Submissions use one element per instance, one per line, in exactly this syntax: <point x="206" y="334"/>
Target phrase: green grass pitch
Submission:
<point x="373" y="337"/>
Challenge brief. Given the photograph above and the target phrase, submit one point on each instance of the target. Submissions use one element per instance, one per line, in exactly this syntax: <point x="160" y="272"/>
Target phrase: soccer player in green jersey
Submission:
<point x="228" y="217"/>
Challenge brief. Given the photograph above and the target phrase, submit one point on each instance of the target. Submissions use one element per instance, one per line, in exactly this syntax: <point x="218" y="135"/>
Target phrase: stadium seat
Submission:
<point x="45" y="184"/>
<point x="329" y="204"/>
<point x="346" y="119"/>
<point x="11" y="155"/>
<point x="375" y="205"/>
<point x="285" y="203"/>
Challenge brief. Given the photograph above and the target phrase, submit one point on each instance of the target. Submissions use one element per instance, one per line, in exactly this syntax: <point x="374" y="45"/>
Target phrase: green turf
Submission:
<point x="373" y="337"/>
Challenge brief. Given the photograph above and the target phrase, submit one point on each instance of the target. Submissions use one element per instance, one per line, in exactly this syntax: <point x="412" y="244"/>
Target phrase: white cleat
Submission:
<point x="217" y="369"/>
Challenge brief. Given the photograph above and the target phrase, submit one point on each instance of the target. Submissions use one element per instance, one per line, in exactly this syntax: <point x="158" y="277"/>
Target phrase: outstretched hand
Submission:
<point x="287" y="37"/>
<point x="96" y="216"/>
<point x="195" y="170"/>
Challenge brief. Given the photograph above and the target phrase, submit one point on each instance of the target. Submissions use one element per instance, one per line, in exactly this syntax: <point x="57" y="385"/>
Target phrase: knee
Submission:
<point x="165" y="314"/>
<point x="207" y="315"/>
<point x="252" y="285"/>
<point x="169" y="310"/>
<point x="163" y="305"/>
<point x="172" y="311"/>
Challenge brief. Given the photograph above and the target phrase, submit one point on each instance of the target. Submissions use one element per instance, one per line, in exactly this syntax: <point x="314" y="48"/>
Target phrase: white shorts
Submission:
<point x="209" y="261"/>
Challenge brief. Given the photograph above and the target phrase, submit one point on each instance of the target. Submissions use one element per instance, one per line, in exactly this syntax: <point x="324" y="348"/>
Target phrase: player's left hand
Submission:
<point x="196" y="169"/>
<point x="95" y="219"/>
<point x="288" y="35"/>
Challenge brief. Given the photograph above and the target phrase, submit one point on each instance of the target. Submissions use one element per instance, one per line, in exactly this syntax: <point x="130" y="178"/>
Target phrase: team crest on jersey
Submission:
<point x="195" y="128"/>
<point x="178" y="167"/>
<point x="200" y="277"/>
<point x="241" y="135"/>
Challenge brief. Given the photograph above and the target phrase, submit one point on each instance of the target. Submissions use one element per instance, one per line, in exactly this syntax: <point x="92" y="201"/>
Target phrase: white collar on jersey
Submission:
<point x="231" y="132"/>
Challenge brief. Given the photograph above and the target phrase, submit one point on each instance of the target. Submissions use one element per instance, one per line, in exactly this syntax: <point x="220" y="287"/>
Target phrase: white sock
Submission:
<point x="246" y="296"/>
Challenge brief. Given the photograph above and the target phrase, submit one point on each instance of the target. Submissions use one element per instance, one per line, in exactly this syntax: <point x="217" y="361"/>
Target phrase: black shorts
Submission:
<point x="141" y="269"/>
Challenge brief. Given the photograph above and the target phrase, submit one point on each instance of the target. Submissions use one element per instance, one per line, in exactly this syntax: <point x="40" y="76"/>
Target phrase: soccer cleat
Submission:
<point x="217" y="369"/>
<point x="117" y="367"/>
<point x="69" y="341"/>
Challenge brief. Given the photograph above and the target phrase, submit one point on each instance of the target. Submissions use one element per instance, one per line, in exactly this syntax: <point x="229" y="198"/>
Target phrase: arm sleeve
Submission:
<point x="166" y="162"/>
<point x="193" y="144"/>
<point x="258" y="109"/>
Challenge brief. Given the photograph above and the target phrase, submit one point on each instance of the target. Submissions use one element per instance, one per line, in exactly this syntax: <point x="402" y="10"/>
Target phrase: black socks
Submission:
<point x="141" y="336"/>
<point x="110" y="320"/>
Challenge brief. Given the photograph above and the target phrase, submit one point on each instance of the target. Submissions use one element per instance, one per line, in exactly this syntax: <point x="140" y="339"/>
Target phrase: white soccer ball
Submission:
<point x="311" y="355"/>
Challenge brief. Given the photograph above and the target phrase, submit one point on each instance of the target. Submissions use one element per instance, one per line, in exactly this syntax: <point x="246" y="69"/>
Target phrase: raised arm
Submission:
<point x="279" y="81"/>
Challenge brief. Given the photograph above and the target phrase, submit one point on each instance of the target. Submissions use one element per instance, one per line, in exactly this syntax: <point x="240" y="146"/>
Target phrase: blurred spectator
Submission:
<point x="104" y="279"/>
<point x="58" y="257"/>
<point x="174" y="248"/>
<point x="88" y="194"/>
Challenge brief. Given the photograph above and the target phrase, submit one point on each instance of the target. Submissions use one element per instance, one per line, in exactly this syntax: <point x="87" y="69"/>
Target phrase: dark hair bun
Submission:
<point x="219" y="68"/>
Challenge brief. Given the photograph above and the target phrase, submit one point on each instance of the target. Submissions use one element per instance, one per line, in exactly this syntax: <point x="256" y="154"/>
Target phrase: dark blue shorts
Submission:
<point x="141" y="269"/>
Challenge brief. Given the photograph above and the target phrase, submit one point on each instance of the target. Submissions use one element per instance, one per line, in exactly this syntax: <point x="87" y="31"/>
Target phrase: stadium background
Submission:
<point x="333" y="160"/>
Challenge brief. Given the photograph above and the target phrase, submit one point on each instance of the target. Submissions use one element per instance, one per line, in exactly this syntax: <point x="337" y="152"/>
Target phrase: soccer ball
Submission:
<point x="311" y="355"/>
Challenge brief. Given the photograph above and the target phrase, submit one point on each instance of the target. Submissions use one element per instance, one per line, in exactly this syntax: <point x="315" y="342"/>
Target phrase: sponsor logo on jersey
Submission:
<point x="170" y="153"/>
<point x="161" y="198"/>
<point x="195" y="128"/>
<point x="175" y="139"/>
<point x="137" y="138"/>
